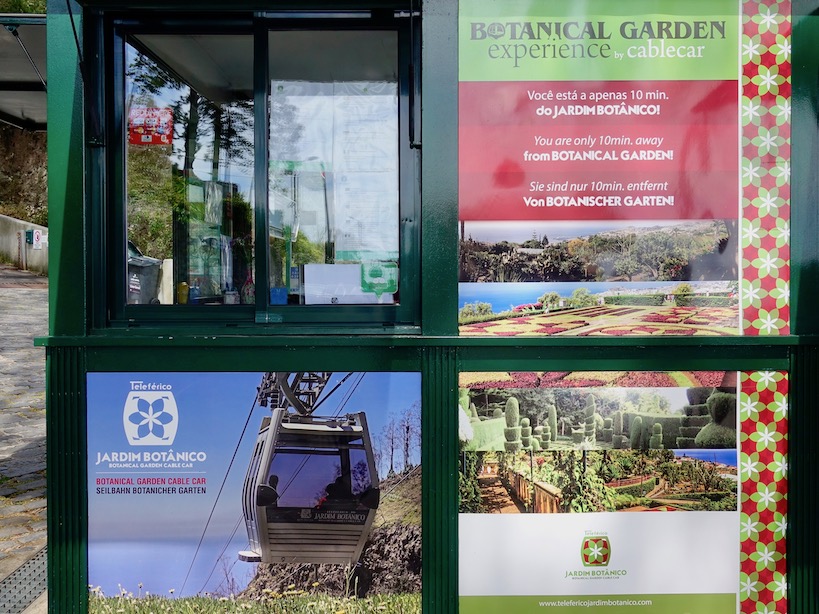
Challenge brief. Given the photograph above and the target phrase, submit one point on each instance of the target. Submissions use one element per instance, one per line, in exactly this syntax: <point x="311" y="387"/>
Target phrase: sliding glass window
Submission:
<point x="266" y="165"/>
<point x="333" y="186"/>
<point x="189" y="163"/>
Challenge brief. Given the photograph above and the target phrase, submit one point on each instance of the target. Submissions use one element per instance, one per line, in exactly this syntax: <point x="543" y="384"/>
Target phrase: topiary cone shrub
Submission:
<point x="590" y="426"/>
<point x="512" y="431"/>
<point x="552" y="422"/>
<point x="608" y="431"/>
<point x="598" y="426"/>
<point x="617" y="422"/>
<point x="635" y="432"/>
<point x="577" y="436"/>
<point x="526" y="433"/>
<point x="656" y="440"/>
<point x="544" y="436"/>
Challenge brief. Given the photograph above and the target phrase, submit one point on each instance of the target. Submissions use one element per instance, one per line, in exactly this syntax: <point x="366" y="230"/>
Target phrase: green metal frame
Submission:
<point x="77" y="345"/>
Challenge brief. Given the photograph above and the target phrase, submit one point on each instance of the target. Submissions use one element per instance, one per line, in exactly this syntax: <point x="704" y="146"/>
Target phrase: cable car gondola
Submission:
<point x="311" y="490"/>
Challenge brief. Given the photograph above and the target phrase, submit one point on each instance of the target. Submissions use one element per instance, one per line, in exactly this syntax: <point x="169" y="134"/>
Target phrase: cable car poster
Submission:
<point x="624" y="168"/>
<point x="280" y="489"/>
<point x="625" y="492"/>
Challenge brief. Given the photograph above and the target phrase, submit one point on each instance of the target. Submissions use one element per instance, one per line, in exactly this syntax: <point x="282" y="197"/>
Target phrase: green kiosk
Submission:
<point x="433" y="305"/>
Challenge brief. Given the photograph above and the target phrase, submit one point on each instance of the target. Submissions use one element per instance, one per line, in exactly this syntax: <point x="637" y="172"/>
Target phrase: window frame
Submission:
<point x="304" y="318"/>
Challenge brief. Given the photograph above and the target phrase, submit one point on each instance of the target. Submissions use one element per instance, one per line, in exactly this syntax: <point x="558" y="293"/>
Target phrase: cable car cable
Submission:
<point x="347" y="395"/>
<point x="221" y="554"/>
<point x="329" y="394"/>
<point x="218" y="494"/>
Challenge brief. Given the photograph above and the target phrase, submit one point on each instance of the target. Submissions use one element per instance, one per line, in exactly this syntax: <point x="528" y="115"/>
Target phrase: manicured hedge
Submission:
<point x="637" y="490"/>
<point x="698" y="300"/>
<point x="487" y="435"/>
<point x="690" y="431"/>
<point x="651" y="300"/>
<point x="671" y="428"/>
<point x="714" y="495"/>
<point x="686" y="443"/>
<point x="716" y="436"/>
<point x="698" y="421"/>
<point x="696" y="410"/>
<point x="698" y="396"/>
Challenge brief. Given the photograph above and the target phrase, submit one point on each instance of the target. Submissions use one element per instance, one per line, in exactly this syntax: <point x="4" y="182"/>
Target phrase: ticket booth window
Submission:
<point x="268" y="170"/>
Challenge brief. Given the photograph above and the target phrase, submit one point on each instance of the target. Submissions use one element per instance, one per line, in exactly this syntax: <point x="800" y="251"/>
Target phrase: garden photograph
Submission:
<point x="597" y="410"/>
<point x="574" y="481"/>
<point x="624" y="251"/>
<point x="599" y="309"/>
<point x="598" y="278"/>
<point x="594" y="441"/>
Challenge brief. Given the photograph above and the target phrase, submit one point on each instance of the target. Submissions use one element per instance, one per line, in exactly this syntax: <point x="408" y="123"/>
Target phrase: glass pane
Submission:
<point x="333" y="167"/>
<point x="189" y="169"/>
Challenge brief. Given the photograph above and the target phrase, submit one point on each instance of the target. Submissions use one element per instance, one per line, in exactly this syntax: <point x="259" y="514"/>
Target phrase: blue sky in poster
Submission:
<point x="152" y="538"/>
<point x="505" y="296"/>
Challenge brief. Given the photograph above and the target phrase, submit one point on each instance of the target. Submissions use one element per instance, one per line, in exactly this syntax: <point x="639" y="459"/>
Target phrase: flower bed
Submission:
<point x="647" y="379"/>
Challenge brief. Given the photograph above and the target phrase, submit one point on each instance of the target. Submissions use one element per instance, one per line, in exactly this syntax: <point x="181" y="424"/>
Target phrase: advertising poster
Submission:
<point x="150" y="126"/>
<point x="623" y="169"/>
<point x="623" y="492"/>
<point x="284" y="490"/>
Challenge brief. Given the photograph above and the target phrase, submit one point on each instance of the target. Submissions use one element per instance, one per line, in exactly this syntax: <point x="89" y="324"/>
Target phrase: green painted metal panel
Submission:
<point x="65" y="174"/>
<point x="803" y="535"/>
<point x="439" y="182"/>
<point x="67" y="503"/>
<point x="307" y="358"/>
<point x="439" y="458"/>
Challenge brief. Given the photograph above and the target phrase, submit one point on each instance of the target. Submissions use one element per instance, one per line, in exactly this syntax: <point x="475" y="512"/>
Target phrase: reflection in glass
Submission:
<point x="315" y="478"/>
<point x="333" y="167"/>
<point x="189" y="168"/>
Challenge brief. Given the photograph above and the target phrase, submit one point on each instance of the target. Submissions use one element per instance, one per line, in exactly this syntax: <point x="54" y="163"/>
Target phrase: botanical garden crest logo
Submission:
<point x="150" y="417"/>
<point x="595" y="551"/>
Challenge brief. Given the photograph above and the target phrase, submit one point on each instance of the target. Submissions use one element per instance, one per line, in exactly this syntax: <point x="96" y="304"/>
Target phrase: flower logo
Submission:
<point x="596" y="551"/>
<point x="150" y="418"/>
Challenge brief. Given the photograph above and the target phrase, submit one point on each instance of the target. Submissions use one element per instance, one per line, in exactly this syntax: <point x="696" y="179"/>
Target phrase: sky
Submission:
<point x="153" y="539"/>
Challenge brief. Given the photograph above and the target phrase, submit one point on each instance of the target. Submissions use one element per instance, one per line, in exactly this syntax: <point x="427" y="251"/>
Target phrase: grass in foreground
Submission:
<point x="296" y="602"/>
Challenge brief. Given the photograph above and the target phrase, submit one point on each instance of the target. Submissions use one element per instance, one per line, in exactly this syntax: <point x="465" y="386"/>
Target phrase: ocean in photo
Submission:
<point x="724" y="456"/>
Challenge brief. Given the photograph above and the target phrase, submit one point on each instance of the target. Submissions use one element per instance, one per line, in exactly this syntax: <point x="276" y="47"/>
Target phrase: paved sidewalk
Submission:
<point x="23" y="316"/>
